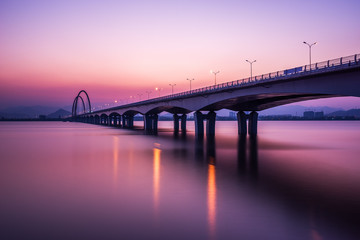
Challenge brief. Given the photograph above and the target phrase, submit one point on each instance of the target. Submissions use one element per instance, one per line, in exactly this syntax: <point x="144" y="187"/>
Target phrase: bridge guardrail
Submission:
<point x="319" y="67"/>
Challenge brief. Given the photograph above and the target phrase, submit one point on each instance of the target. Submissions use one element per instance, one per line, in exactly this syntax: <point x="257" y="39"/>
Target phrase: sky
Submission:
<point x="118" y="50"/>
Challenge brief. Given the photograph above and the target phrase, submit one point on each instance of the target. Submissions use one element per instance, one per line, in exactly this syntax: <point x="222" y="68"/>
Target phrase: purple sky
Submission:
<point x="118" y="49"/>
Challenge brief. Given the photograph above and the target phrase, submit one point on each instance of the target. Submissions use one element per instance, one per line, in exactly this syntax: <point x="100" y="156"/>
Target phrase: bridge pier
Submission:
<point x="128" y="121"/>
<point x="151" y="123"/>
<point x="241" y="119"/>
<point x="177" y="125"/>
<point x="97" y="119"/>
<point x="253" y="119"/>
<point x="183" y="123"/>
<point x="109" y="121"/>
<point x="199" y="123"/>
<point x="118" y="121"/>
<point x="251" y="129"/>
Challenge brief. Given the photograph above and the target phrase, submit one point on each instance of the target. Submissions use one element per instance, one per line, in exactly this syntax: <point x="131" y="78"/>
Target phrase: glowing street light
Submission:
<point x="148" y="93"/>
<point x="159" y="90"/>
<point x="214" y="72"/>
<point x="251" y="62"/>
<point x="172" y="88"/>
<point x="190" y="81"/>
<point x="310" y="45"/>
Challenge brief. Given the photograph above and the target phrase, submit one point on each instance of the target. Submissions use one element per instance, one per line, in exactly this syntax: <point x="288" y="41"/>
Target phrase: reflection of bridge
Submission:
<point x="333" y="78"/>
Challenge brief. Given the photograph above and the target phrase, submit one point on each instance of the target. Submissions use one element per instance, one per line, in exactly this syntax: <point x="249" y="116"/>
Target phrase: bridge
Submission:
<point x="332" y="78"/>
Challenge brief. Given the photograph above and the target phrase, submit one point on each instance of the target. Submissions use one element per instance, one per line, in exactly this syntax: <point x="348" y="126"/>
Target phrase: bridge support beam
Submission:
<point x="199" y="123"/>
<point x="253" y="119"/>
<point x="118" y="121"/>
<point x="128" y="121"/>
<point x="151" y="123"/>
<point x="176" y="123"/>
<point x="251" y="129"/>
<point x="210" y="123"/>
<point x="241" y="119"/>
<point x="183" y="123"/>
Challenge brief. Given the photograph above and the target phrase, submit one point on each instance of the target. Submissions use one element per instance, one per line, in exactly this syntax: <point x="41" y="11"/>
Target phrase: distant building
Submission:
<point x="309" y="115"/>
<point x="319" y="115"/>
<point x="313" y="115"/>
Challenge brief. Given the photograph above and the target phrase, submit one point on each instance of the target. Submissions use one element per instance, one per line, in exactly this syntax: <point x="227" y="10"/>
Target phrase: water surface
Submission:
<point x="296" y="180"/>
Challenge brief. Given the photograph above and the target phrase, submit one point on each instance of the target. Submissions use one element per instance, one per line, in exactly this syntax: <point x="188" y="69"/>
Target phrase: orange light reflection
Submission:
<point x="156" y="178"/>
<point x="211" y="200"/>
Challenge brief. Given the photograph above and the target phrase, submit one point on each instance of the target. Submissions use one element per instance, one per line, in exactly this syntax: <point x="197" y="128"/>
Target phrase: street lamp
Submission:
<point x="148" y="93"/>
<point x="214" y="72"/>
<point x="158" y="89"/>
<point x="310" y="45"/>
<point x="140" y="94"/>
<point x="190" y="81"/>
<point x="251" y="62"/>
<point x="172" y="88"/>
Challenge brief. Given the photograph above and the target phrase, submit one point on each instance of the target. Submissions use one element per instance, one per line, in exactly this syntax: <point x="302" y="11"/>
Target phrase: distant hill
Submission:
<point x="348" y="113"/>
<point x="27" y="111"/>
<point x="61" y="113"/>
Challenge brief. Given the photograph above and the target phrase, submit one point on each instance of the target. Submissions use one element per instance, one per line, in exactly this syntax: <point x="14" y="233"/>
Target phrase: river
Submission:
<point x="295" y="180"/>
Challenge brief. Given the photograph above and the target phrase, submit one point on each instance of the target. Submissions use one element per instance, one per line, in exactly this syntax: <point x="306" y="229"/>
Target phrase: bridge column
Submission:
<point x="176" y="123"/>
<point x="210" y="123"/>
<point x="147" y="122"/>
<point x="253" y="119"/>
<point x="119" y="120"/>
<point x="123" y="118"/>
<point x="130" y="121"/>
<point x="199" y="124"/>
<point x="151" y="123"/>
<point x="110" y="119"/>
<point x="241" y="119"/>
<point x="183" y="123"/>
<point x="155" y="119"/>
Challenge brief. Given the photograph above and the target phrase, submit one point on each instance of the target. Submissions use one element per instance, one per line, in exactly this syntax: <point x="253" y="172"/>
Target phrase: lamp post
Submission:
<point x="159" y="90"/>
<point x="310" y="45"/>
<point x="214" y="72"/>
<point x="148" y="93"/>
<point x="172" y="87"/>
<point x="251" y="62"/>
<point x="140" y="94"/>
<point x="190" y="81"/>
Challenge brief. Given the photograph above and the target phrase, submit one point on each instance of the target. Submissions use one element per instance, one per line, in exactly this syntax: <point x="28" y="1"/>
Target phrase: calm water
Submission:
<point x="297" y="180"/>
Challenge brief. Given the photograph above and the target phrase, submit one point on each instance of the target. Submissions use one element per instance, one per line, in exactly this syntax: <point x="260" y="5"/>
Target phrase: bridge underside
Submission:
<point x="262" y="101"/>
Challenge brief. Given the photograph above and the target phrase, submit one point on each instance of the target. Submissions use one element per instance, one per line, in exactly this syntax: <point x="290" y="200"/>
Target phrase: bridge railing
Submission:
<point x="329" y="65"/>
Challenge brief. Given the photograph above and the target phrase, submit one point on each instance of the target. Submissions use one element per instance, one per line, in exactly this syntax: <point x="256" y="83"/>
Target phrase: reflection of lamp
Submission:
<point x="190" y="81"/>
<point x="211" y="198"/>
<point x="172" y="88"/>
<point x="310" y="45"/>
<point x="213" y="72"/>
<point x="251" y="68"/>
<point x="156" y="176"/>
